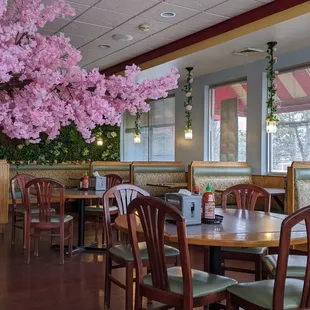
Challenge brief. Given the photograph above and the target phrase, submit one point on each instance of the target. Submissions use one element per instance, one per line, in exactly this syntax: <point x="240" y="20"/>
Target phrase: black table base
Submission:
<point x="215" y="260"/>
<point x="81" y="248"/>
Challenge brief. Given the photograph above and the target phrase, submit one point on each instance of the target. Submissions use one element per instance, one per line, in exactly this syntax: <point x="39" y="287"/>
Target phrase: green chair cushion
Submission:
<point x="53" y="219"/>
<point x="203" y="283"/>
<point x="296" y="267"/>
<point x="99" y="208"/>
<point x="245" y="250"/>
<point x="124" y="251"/>
<point x="261" y="293"/>
<point x="33" y="210"/>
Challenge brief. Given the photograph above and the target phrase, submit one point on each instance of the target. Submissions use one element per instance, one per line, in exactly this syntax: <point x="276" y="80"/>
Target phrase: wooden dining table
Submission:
<point x="240" y="228"/>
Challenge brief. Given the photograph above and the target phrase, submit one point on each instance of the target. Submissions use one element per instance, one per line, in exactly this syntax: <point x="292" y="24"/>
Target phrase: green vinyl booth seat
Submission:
<point x="143" y="173"/>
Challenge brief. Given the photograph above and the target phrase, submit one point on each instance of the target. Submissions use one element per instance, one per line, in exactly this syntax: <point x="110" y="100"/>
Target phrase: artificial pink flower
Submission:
<point x="42" y="88"/>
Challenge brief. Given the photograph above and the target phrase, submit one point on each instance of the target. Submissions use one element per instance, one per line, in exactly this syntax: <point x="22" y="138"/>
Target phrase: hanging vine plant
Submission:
<point x="187" y="88"/>
<point x="272" y="118"/>
<point x="137" y="130"/>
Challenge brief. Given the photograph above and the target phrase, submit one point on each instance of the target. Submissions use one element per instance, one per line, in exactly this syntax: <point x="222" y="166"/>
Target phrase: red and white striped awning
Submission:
<point x="293" y="93"/>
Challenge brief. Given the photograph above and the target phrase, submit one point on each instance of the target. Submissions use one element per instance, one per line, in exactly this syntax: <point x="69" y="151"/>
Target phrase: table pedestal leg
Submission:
<point x="93" y="246"/>
<point x="215" y="266"/>
<point x="81" y="231"/>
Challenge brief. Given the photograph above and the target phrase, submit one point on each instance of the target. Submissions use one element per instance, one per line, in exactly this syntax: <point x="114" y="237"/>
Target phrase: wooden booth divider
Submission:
<point x="4" y="188"/>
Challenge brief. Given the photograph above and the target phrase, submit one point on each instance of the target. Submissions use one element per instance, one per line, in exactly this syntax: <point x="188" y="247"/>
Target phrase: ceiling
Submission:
<point x="97" y="21"/>
<point x="291" y="35"/>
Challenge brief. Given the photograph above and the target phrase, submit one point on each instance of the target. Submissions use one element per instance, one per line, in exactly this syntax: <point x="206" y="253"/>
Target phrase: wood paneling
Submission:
<point x="271" y="181"/>
<point x="4" y="190"/>
<point x="290" y="191"/>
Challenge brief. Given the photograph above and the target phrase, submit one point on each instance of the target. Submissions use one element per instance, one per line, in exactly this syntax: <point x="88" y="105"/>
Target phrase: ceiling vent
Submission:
<point x="248" y="51"/>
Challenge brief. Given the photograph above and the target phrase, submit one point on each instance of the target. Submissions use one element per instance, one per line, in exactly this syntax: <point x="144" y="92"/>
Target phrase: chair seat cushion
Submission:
<point x="296" y="267"/>
<point x="100" y="208"/>
<point x="53" y="219"/>
<point x="33" y="210"/>
<point x="261" y="293"/>
<point x="124" y="251"/>
<point x="203" y="283"/>
<point x="245" y="250"/>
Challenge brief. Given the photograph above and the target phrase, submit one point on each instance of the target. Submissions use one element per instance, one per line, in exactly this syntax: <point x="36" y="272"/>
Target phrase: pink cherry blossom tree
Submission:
<point x="42" y="88"/>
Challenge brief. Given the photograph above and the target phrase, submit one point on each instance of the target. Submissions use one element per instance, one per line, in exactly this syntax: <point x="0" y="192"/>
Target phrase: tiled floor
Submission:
<point x="46" y="285"/>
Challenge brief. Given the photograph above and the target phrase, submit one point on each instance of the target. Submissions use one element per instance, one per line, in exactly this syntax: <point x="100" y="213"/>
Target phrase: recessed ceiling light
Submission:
<point x="122" y="37"/>
<point x="104" y="46"/>
<point x="168" y="14"/>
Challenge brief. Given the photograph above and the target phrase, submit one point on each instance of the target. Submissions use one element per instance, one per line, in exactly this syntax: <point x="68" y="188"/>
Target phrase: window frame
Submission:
<point x="211" y="110"/>
<point x="269" y="149"/>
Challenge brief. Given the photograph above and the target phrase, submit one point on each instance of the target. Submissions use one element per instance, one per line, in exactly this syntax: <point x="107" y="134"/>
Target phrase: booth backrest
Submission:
<point x="66" y="174"/>
<point x="220" y="175"/>
<point x="112" y="167"/>
<point x="143" y="173"/>
<point x="298" y="186"/>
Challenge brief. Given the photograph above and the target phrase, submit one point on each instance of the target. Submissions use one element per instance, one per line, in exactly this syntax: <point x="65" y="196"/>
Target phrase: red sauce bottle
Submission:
<point x="85" y="181"/>
<point x="208" y="204"/>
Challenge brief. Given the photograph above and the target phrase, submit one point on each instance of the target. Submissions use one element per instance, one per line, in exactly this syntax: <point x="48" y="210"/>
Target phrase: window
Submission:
<point x="157" y="133"/>
<point x="228" y="123"/>
<point x="291" y="142"/>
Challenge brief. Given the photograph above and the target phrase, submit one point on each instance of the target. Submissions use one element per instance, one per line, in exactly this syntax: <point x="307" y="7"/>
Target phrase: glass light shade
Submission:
<point x="188" y="133"/>
<point x="99" y="141"/>
<point x="271" y="126"/>
<point x="137" y="138"/>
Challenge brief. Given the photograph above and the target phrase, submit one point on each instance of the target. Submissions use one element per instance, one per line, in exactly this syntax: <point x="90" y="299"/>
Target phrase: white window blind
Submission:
<point x="157" y="133"/>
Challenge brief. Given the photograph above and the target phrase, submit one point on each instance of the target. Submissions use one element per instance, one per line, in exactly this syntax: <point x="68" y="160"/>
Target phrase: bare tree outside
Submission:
<point x="291" y="142"/>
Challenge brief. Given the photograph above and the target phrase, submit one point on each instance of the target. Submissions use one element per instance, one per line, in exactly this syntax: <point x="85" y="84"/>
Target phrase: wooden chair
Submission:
<point x="246" y="196"/>
<point x="179" y="287"/>
<point x="122" y="254"/>
<point x="94" y="213"/>
<point x="281" y="293"/>
<point x="19" y="211"/>
<point x="45" y="190"/>
<point x="296" y="266"/>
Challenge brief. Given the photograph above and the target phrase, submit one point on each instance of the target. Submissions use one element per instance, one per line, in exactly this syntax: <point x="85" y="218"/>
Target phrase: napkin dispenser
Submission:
<point x="98" y="183"/>
<point x="189" y="205"/>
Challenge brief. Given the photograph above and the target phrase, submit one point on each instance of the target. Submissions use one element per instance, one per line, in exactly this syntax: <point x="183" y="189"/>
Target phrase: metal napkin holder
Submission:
<point x="98" y="183"/>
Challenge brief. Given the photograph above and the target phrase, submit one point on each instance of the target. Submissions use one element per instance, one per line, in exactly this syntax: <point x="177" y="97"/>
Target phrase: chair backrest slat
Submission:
<point x="152" y="213"/>
<point x="246" y="196"/>
<point x="284" y="249"/>
<point x="112" y="180"/>
<point x="123" y="194"/>
<point x="45" y="189"/>
<point x="18" y="182"/>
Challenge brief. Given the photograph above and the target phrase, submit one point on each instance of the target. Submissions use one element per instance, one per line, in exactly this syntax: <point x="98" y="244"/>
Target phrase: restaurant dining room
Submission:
<point x="154" y="154"/>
